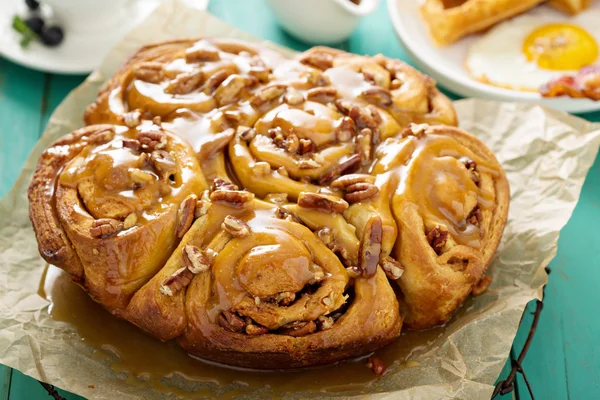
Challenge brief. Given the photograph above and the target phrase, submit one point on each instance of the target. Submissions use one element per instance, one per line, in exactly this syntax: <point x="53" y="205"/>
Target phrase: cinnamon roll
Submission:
<point x="108" y="205"/>
<point x="267" y="211"/>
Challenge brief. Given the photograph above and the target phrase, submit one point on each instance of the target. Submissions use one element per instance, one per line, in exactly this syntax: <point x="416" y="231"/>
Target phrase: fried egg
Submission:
<point x="530" y="50"/>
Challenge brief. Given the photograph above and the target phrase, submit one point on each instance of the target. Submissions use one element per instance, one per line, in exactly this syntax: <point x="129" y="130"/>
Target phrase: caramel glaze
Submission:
<point x="144" y="361"/>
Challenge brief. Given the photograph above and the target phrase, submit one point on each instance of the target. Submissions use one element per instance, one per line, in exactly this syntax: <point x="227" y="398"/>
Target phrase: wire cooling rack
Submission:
<point x="503" y="387"/>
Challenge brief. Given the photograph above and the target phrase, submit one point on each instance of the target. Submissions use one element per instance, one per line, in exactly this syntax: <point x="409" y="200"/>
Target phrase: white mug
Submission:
<point x="87" y="15"/>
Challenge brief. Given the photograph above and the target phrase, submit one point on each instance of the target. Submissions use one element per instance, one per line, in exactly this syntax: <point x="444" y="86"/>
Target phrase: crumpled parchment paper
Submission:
<point x="546" y="155"/>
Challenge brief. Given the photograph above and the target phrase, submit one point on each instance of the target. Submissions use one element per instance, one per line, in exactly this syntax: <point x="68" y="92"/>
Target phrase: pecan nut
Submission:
<point x="322" y="202"/>
<point x="363" y="143"/>
<point x="267" y="94"/>
<point x="231" y="322"/>
<point x="245" y="133"/>
<point x="214" y="81"/>
<point x="152" y="140"/>
<point x="105" y="227"/>
<point x="377" y="365"/>
<point x="322" y="94"/>
<point x="378" y="95"/>
<point x="252" y="329"/>
<point x="222" y="184"/>
<point x="347" y="165"/>
<point x="233" y="198"/>
<point x="176" y="282"/>
<point x="345" y="130"/>
<point x="163" y="162"/>
<point x="348" y="180"/>
<point x="319" y="60"/>
<point x="235" y="226"/>
<point x="437" y="238"/>
<point x="185" y="82"/>
<point x="471" y="166"/>
<point x="360" y="191"/>
<point x="475" y="217"/>
<point x="130" y="221"/>
<point x="195" y="259"/>
<point x="299" y="329"/>
<point x="150" y="71"/>
<point x="229" y="91"/>
<point x="185" y="216"/>
<point x="369" y="250"/>
<point x="392" y="268"/>
<point x="101" y="136"/>
<point x="201" y="54"/>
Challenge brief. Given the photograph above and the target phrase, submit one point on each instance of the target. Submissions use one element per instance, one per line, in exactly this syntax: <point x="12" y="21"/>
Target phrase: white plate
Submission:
<point x="82" y="51"/>
<point x="446" y="64"/>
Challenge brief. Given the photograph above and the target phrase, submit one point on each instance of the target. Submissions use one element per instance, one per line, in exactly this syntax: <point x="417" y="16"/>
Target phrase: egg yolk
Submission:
<point x="560" y="47"/>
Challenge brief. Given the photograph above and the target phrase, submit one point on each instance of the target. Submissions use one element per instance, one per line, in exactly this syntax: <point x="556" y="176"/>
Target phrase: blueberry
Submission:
<point x="36" y="24"/>
<point x="32" y="4"/>
<point x="52" y="36"/>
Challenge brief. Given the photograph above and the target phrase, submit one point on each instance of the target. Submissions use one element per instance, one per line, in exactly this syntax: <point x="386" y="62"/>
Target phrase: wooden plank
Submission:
<point x="21" y="92"/>
<point x="26" y="388"/>
<point x="58" y="88"/>
<point x="5" y="376"/>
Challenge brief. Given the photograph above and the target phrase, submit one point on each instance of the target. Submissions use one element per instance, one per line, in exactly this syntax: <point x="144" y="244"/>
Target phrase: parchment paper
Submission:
<point x="546" y="155"/>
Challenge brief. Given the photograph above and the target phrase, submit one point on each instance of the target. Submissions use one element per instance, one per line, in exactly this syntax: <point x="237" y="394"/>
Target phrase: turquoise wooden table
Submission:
<point x="564" y="358"/>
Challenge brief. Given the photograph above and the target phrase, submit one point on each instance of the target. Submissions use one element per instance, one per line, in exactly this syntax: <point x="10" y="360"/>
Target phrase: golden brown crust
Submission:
<point x="328" y="180"/>
<point x="448" y="21"/>
<point x="572" y="7"/>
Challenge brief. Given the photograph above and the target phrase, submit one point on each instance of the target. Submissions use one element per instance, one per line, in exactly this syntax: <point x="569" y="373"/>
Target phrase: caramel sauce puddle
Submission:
<point x="145" y="361"/>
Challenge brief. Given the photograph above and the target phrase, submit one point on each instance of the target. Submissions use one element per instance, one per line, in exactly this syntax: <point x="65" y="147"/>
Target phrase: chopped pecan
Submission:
<point x="195" y="259"/>
<point x="132" y="144"/>
<point x="202" y="205"/>
<point x="378" y="95"/>
<point x="360" y="191"/>
<point x="322" y="202"/>
<point x="101" y="136"/>
<point x="437" y="238"/>
<point x="417" y="130"/>
<point x="260" y="73"/>
<point x="185" y="216"/>
<point x="252" y="329"/>
<point x="163" y="162"/>
<point x="325" y="322"/>
<point x="284" y="298"/>
<point x="319" y="60"/>
<point x="322" y="94"/>
<point x="306" y="146"/>
<point x="267" y="94"/>
<point x="292" y="143"/>
<point x="475" y="217"/>
<point x="229" y="91"/>
<point x="376" y="364"/>
<point x="150" y="71"/>
<point x="152" y="139"/>
<point x="132" y="119"/>
<point x="347" y="165"/>
<point x="318" y="274"/>
<point x="472" y="168"/>
<point x="201" y="54"/>
<point x="345" y="130"/>
<point x="344" y="106"/>
<point x="246" y="133"/>
<point x="235" y="226"/>
<point x="482" y="285"/>
<point x="370" y="247"/>
<point x="326" y="236"/>
<point x="365" y="117"/>
<point x="185" y="82"/>
<point x="347" y="180"/>
<point x="363" y="143"/>
<point x="177" y="281"/>
<point x="233" y="198"/>
<point x="232" y="322"/>
<point x="213" y="81"/>
<point x="221" y="184"/>
<point x="105" y="227"/>
<point x="299" y="329"/>
<point x="392" y="268"/>
<point x="353" y="272"/>
<point x="329" y="300"/>
<point x="293" y="97"/>
<point x="130" y="221"/>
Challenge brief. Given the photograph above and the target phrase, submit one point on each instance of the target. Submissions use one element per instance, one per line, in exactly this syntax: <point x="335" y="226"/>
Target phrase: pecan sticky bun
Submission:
<point x="335" y="204"/>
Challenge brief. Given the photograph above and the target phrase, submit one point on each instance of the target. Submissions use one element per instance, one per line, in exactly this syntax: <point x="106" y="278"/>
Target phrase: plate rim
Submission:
<point x="470" y="87"/>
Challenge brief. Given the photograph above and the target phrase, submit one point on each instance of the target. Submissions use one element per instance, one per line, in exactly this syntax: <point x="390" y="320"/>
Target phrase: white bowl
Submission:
<point x="446" y="64"/>
<point x="321" y="21"/>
